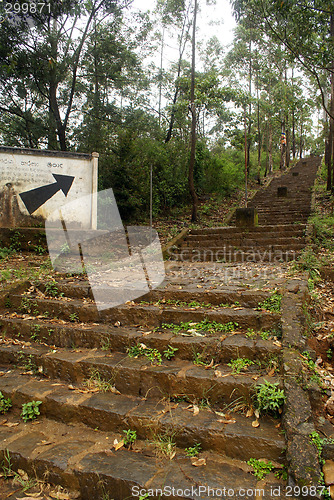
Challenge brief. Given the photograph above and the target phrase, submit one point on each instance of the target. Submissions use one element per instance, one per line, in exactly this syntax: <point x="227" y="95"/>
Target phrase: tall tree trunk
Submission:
<point x="287" y="148"/>
<point x="330" y="164"/>
<point x="193" y="123"/>
<point x="249" y="137"/>
<point x="301" y="141"/>
<point x="160" y="72"/>
<point x="182" y="46"/>
<point x="52" y="125"/>
<point x="270" y="147"/>
<point x="283" y="146"/>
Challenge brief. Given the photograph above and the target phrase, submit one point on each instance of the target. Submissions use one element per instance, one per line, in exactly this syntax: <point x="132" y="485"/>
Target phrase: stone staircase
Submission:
<point x="159" y="367"/>
<point x="283" y="209"/>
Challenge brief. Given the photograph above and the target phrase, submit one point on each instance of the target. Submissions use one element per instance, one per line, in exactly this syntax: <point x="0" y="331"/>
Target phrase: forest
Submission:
<point x="92" y="75"/>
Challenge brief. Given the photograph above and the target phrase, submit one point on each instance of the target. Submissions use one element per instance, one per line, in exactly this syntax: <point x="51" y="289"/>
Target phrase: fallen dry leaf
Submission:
<point x="198" y="462"/>
<point x="272" y="372"/>
<point x="227" y="421"/>
<point x="196" y="410"/>
<point x="250" y="413"/>
<point x="218" y="373"/>
<point x="11" y="424"/>
<point x="255" y="423"/>
<point x="118" y="445"/>
<point x="210" y="365"/>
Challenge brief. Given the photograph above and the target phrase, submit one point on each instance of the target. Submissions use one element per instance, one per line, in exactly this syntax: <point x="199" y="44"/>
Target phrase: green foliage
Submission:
<point x="142" y="350"/>
<point x="5" y="252"/>
<point x="15" y="243"/>
<point x="169" y="353"/>
<point x="5" y="403"/>
<point x="240" y="364"/>
<point x="312" y="367"/>
<point x="323" y="230"/>
<point x="202" y="326"/>
<point x="130" y="437"/>
<point x="269" y="398"/>
<point x="74" y="317"/>
<point x="7" y="465"/>
<point x="39" y="249"/>
<point x="193" y="451"/>
<point x="308" y="261"/>
<point x="165" y="444"/>
<point x="260" y="468"/>
<point x="96" y="381"/>
<point x="30" y="411"/>
<point x="272" y="303"/>
<point x="51" y="289"/>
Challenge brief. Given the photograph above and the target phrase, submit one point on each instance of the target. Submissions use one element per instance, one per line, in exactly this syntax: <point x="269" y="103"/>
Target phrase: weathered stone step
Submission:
<point x="84" y="461"/>
<point x="137" y="376"/>
<point x="279" y="228"/>
<point x="235" y="255"/>
<point x="110" y="412"/>
<point x="136" y="314"/>
<point x="244" y="236"/>
<point x="229" y="249"/>
<point x="222" y="347"/>
<point x="244" y="241"/>
<point x="245" y="298"/>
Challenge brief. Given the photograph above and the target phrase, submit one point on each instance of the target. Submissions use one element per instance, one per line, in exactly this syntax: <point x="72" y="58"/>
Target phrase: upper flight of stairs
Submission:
<point x="280" y="235"/>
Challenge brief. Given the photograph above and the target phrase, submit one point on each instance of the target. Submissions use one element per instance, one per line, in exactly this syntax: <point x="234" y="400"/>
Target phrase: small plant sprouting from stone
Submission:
<point x="30" y="410"/>
<point x="35" y="330"/>
<point x="74" y="317"/>
<point x="130" y="437"/>
<point x="202" y="326"/>
<point x="240" y="364"/>
<point x="260" y="468"/>
<point x="7" y="466"/>
<point x="169" y="353"/>
<point x="164" y="444"/>
<point x="319" y="443"/>
<point x="51" y="289"/>
<point x="272" y="303"/>
<point x="150" y="353"/>
<point x="8" y="303"/>
<point x="193" y="451"/>
<point x="5" y="403"/>
<point x="96" y="381"/>
<point x="269" y="398"/>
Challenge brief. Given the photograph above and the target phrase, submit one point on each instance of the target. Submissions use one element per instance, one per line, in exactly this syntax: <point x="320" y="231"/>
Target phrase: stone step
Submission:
<point x="258" y="237"/>
<point x="279" y="228"/>
<point x="214" y="255"/>
<point x="112" y="413"/>
<point x="137" y="376"/>
<point x="228" y="250"/>
<point x="136" y="314"/>
<point x="244" y="241"/>
<point x="222" y="347"/>
<point x="246" y="298"/>
<point x="85" y="463"/>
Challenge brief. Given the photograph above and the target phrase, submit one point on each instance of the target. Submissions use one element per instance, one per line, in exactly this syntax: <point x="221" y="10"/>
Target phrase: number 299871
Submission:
<point x="26" y="7"/>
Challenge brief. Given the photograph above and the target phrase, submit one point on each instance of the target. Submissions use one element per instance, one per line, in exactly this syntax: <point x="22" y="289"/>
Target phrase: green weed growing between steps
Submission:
<point x="319" y="443"/>
<point x="30" y="411"/>
<point x="272" y="303"/>
<point x="202" y="326"/>
<point x="269" y="398"/>
<point x="5" y="403"/>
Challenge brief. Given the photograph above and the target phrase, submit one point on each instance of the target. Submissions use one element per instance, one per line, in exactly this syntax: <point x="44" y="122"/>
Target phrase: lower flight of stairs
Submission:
<point x="59" y="350"/>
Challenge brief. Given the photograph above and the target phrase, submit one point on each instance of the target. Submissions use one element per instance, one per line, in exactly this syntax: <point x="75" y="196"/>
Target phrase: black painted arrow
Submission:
<point x="35" y="198"/>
